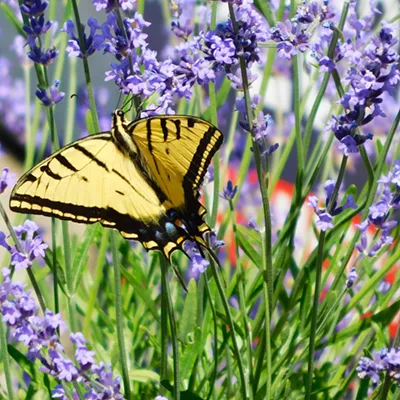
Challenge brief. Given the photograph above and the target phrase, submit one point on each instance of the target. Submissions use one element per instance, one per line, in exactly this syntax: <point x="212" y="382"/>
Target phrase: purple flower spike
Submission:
<point x="34" y="8"/>
<point x="93" y="41"/>
<point x="229" y="191"/>
<point x="6" y="179"/>
<point x="21" y="313"/>
<point x="385" y="361"/>
<point x="39" y="56"/>
<point x="214" y="242"/>
<point x="252" y="224"/>
<point x="351" y="278"/>
<point x="52" y="96"/>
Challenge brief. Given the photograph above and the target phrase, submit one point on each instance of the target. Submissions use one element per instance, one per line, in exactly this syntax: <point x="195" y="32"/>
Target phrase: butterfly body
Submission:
<point x="142" y="178"/>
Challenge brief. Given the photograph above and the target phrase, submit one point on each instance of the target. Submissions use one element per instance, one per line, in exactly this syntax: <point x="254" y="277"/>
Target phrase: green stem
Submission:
<point x="118" y="316"/>
<point x="317" y="290"/>
<point x="71" y="104"/>
<point x="69" y="277"/>
<point x="216" y="352"/>
<point x="140" y="6"/>
<point x="311" y="350"/>
<point x="55" y="269"/>
<point x="231" y="325"/>
<point x="172" y="324"/>
<point x="242" y="299"/>
<point x="6" y="361"/>
<point x="164" y="332"/>
<point x="267" y="338"/>
<point x="98" y="276"/>
<point x="89" y="87"/>
<point x="257" y="156"/>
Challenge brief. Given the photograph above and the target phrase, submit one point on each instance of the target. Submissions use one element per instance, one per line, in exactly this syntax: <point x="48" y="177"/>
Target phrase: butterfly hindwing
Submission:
<point x="91" y="181"/>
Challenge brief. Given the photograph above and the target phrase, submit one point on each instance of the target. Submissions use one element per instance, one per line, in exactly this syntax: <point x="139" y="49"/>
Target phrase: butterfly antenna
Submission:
<point x="80" y="98"/>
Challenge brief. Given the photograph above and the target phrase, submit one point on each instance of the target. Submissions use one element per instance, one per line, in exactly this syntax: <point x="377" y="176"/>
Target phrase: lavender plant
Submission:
<point x="303" y="201"/>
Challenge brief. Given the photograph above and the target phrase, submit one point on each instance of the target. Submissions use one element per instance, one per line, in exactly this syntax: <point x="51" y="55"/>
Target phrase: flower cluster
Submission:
<point x="293" y="35"/>
<point x="37" y="26"/>
<point x="373" y="71"/>
<point x="31" y="243"/>
<point x="232" y="40"/>
<point x="20" y="312"/>
<point x="385" y="360"/>
<point x="325" y="217"/>
<point x="379" y="212"/>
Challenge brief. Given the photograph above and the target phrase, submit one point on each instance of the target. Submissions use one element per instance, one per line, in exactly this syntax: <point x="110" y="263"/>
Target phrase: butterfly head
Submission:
<point x="118" y="117"/>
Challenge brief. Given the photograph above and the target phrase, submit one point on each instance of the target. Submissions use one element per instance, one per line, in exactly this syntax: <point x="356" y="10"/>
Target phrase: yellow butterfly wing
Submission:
<point x="91" y="180"/>
<point x="178" y="150"/>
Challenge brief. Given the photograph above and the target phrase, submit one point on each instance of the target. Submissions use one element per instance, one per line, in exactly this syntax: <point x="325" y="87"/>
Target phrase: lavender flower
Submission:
<point x="290" y="37"/>
<point x="294" y="35"/>
<point x="373" y="71"/>
<point x="20" y="312"/>
<point x="199" y="264"/>
<point x="261" y="125"/>
<point x="379" y="212"/>
<point x="385" y="360"/>
<point x="6" y="179"/>
<point x="224" y="46"/>
<point x="93" y="41"/>
<point x="351" y="278"/>
<point x="50" y="97"/>
<point x="324" y="221"/>
<point x="252" y="224"/>
<point x="214" y="242"/>
<point x="229" y="191"/>
<point x="32" y="245"/>
<point x="37" y="26"/>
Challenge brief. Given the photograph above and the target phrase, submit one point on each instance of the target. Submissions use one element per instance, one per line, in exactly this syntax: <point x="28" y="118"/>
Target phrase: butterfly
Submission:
<point x="142" y="178"/>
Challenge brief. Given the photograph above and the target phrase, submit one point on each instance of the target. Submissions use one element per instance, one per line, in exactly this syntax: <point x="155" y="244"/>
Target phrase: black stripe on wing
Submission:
<point x="164" y="235"/>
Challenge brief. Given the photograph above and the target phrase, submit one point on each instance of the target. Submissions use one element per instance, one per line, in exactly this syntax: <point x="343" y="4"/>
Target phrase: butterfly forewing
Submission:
<point x="178" y="150"/>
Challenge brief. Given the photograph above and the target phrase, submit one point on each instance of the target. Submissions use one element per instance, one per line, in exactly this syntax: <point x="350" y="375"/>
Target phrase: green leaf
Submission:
<point x="48" y="257"/>
<point x="192" y="350"/>
<point x="81" y="255"/>
<point x="143" y="375"/>
<point x="264" y="8"/>
<point x="189" y="314"/>
<point x="27" y="366"/>
<point x="222" y="96"/>
<point x="141" y="291"/>
<point x="382" y="318"/>
<point x="248" y="245"/>
<point x="12" y="19"/>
